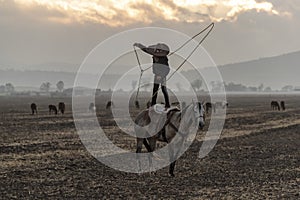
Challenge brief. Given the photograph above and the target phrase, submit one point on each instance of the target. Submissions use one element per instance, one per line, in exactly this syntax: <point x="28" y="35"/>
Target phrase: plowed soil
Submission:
<point x="257" y="156"/>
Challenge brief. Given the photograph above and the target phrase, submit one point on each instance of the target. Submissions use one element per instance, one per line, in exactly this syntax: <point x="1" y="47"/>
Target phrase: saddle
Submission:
<point x="164" y="115"/>
<point x="160" y="109"/>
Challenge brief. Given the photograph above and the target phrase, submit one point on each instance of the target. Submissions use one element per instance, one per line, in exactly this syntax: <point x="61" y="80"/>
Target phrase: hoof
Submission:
<point x="172" y="175"/>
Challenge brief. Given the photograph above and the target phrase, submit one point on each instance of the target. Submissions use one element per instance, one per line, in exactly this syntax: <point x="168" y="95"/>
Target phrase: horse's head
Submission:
<point x="199" y="113"/>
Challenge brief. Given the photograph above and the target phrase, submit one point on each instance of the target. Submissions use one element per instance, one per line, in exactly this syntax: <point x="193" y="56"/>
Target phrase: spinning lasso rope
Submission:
<point x="209" y="28"/>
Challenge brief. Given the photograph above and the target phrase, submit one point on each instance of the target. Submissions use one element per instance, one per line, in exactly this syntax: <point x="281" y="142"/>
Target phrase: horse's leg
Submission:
<point x="147" y="145"/>
<point x="138" y="151"/>
<point x="139" y="145"/>
<point x="174" y="153"/>
<point x="152" y="145"/>
<point x="171" y="168"/>
<point x="171" y="160"/>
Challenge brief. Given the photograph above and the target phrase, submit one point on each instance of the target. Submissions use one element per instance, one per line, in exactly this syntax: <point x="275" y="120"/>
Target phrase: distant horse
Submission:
<point x="52" y="108"/>
<point x="183" y="105"/>
<point x="192" y="113"/>
<point x="61" y="107"/>
<point x="282" y="104"/>
<point x="275" y="105"/>
<point x="109" y="104"/>
<point x="226" y="104"/>
<point x="148" y="105"/>
<point x="33" y="108"/>
<point x="209" y="106"/>
<point x="137" y="104"/>
<point x="221" y="104"/>
<point x="92" y="107"/>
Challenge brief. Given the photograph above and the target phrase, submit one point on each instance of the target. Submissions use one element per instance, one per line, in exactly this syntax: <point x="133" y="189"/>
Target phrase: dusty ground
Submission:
<point x="257" y="157"/>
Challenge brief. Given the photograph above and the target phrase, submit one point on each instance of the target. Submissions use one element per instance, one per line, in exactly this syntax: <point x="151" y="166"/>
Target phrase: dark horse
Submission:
<point x="209" y="106"/>
<point x="52" y="108"/>
<point x="33" y="108"/>
<point x="109" y="104"/>
<point x="148" y="104"/>
<point x="194" y="113"/>
<point x="275" y="105"/>
<point x="221" y="104"/>
<point x="137" y="104"/>
<point x="92" y="107"/>
<point x="61" y="107"/>
<point x="282" y="104"/>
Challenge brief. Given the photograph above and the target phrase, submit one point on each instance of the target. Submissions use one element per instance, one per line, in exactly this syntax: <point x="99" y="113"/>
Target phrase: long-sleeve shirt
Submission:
<point x="160" y="65"/>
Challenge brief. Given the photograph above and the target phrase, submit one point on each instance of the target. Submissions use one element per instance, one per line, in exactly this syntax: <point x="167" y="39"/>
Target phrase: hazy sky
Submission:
<point x="35" y="32"/>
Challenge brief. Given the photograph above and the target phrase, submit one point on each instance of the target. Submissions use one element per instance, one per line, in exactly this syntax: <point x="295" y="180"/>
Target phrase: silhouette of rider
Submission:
<point x="160" y="69"/>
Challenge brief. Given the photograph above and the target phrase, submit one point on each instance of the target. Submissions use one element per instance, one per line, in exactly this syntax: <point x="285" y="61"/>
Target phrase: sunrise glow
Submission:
<point x="120" y="13"/>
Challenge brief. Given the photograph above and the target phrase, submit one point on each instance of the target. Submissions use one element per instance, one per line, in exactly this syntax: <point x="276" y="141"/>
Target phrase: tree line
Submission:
<point x="45" y="87"/>
<point x="196" y="85"/>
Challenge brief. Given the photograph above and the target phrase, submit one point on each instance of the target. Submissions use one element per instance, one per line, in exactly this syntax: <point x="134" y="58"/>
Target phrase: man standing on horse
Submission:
<point x="160" y="69"/>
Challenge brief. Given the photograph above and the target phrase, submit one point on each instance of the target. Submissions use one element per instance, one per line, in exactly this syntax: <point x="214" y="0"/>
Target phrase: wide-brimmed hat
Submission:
<point x="160" y="48"/>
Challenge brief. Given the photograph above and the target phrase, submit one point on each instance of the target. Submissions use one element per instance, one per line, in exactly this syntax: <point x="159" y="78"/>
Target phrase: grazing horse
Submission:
<point x="33" y="108"/>
<point x="191" y="115"/>
<point x="92" y="107"/>
<point x="137" y="104"/>
<point x="148" y="105"/>
<point x="209" y="106"/>
<point x="109" y="104"/>
<point x="221" y="104"/>
<point x="226" y="104"/>
<point x="52" y="108"/>
<point x="183" y="105"/>
<point x="275" y="105"/>
<point x="61" y="107"/>
<point x="282" y="104"/>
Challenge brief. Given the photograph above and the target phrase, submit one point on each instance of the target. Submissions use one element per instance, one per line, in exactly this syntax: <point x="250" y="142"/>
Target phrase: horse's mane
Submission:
<point x="185" y="109"/>
<point x="183" y="112"/>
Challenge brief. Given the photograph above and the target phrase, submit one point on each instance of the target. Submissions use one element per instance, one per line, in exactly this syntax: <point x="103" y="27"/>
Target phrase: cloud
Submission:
<point x="33" y="33"/>
<point x="121" y="13"/>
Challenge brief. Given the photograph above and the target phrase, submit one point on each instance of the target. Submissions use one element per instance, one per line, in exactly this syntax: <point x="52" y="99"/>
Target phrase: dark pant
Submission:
<point x="165" y="93"/>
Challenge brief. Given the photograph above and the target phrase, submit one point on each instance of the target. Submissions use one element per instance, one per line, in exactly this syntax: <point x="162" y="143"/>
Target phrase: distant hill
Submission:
<point x="275" y="72"/>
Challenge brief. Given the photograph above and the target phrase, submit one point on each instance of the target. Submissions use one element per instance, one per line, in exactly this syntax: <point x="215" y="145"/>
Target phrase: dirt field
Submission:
<point x="257" y="157"/>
